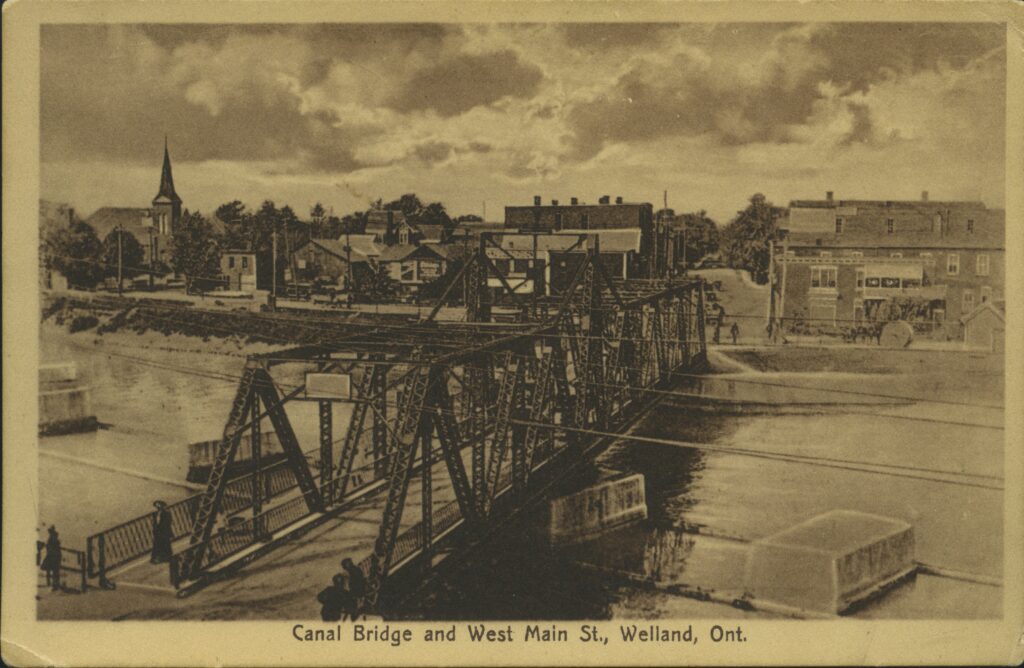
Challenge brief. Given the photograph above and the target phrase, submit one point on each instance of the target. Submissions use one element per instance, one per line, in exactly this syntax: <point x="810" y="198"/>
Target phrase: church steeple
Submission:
<point x="166" y="210"/>
<point x="166" y="193"/>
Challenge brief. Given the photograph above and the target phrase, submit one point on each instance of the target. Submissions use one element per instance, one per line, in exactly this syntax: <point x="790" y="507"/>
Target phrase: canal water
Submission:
<point x="704" y="507"/>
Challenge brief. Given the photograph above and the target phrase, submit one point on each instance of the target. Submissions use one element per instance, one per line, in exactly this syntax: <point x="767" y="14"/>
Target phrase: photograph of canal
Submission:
<point x="360" y="324"/>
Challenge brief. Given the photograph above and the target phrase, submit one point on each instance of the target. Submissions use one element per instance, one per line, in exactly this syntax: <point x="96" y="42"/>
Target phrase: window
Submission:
<point x="970" y="226"/>
<point x="890" y="282"/>
<point x="585" y="221"/>
<point x="890" y="225"/>
<point x="926" y="256"/>
<point x="825" y="253"/>
<point x="823" y="277"/>
<point x="967" y="303"/>
<point x="839" y="225"/>
<point x="856" y="253"/>
<point x="245" y="262"/>
<point x="860" y="278"/>
<point x="502" y="266"/>
<point x="953" y="264"/>
<point x="408" y="270"/>
<point x="231" y="261"/>
<point x="981" y="268"/>
<point x="911" y="282"/>
<point x="896" y="255"/>
<point x="872" y="282"/>
<point x="558" y="221"/>
<point x="520" y="266"/>
<point x="986" y="293"/>
<point x="302" y="263"/>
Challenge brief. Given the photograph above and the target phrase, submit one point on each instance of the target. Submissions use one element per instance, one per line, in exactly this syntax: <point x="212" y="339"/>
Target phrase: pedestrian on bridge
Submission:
<point x="161" y="534"/>
<point x="335" y="600"/>
<point x="356" y="586"/>
<point x="51" y="562"/>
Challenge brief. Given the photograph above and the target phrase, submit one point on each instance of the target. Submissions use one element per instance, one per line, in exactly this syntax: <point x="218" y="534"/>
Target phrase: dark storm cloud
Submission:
<point x="860" y="54"/>
<point x="466" y="81"/>
<point x="651" y="101"/>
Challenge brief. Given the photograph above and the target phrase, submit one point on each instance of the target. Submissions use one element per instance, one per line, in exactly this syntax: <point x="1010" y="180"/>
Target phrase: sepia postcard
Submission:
<point x="513" y="333"/>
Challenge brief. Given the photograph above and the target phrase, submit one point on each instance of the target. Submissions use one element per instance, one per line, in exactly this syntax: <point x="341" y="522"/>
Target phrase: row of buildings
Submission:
<point x="839" y="264"/>
<point x="845" y="263"/>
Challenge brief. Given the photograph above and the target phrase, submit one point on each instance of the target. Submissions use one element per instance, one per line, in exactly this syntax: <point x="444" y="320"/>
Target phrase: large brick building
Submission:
<point x="577" y="216"/>
<point x="848" y="262"/>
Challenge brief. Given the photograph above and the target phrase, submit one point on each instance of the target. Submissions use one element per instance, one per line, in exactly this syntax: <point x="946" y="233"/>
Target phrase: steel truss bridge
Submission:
<point x="504" y="405"/>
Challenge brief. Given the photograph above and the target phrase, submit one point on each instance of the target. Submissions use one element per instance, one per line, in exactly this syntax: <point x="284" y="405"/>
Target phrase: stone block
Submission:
<point x="830" y="562"/>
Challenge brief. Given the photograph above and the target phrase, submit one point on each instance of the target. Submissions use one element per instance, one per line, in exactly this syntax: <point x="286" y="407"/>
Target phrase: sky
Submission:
<point x="469" y="114"/>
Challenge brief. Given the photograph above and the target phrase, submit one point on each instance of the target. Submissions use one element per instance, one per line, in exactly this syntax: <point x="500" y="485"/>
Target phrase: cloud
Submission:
<point x="466" y="81"/>
<point x="507" y="109"/>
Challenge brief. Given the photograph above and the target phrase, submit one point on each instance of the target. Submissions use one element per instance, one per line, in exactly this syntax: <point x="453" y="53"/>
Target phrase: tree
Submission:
<point x="745" y="240"/>
<point x="701" y="235"/>
<point x="77" y="253"/>
<point x="317" y="217"/>
<point x="132" y="254"/>
<point x="417" y="213"/>
<point x="196" y="252"/>
<point x="373" y="284"/>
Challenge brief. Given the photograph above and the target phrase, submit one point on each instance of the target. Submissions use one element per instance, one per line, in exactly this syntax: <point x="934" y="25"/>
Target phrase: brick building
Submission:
<point x="577" y="216"/>
<point x="847" y="262"/>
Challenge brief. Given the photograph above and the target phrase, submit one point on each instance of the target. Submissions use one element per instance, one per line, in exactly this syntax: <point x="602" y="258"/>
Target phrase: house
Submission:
<point x="841" y="262"/>
<point x="985" y="327"/>
<point x="327" y="260"/>
<point x="604" y="215"/>
<point x="413" y="266"/>
<point x="246" y="270"/>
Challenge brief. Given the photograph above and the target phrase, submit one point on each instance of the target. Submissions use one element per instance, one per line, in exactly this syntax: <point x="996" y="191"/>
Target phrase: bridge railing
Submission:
<point x="133" y="538"/>
<point x="71" y="561"/>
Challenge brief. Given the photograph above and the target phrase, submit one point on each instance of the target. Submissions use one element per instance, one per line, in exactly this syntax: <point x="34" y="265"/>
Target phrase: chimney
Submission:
<point x="924" y="195"/>
<point x="71" y="216"/>
<point x="575" y="201"/>
<point x="554" y="202"/>
<point x="618" y="200"/>
<point x="828" y="196"/>
<point x="604" y="199"/>
<point x="536" y="200"/>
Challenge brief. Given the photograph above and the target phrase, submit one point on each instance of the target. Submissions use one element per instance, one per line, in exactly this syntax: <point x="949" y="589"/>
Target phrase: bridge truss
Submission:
<point x="478" y="408"/>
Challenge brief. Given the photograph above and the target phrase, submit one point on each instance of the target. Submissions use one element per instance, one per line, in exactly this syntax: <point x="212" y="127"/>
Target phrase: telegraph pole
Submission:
<point x="348" y="258"/>
<point x="273" y="262"/>
<point x="120" y="252"/>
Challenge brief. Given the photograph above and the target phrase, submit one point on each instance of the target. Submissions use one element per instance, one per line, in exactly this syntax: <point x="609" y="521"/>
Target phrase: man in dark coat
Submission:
<point x="334" y="600"/>
<point x="51" y="562"/>
<point x="161" y="534"/>
<point x="356" y="585"/>
<point x="735" y="332"/>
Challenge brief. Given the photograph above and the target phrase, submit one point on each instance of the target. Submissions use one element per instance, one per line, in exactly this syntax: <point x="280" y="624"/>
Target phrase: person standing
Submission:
<point x="161" y="534"/>
<point x="332" y="599"/>
<point x="356" y="586"/>
<point x="735" y="332"/>
<point x="51" y="562"/>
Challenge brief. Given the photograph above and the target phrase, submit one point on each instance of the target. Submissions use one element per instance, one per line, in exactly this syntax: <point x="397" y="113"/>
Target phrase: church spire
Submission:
<point x="166" y="193"/>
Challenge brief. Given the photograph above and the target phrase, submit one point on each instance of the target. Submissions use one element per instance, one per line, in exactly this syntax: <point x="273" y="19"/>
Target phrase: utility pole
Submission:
<point x="348" y="259"/>
<point x="120" y="252"/>
<point x="152" y="256"/>
<point x="273" y="262"/>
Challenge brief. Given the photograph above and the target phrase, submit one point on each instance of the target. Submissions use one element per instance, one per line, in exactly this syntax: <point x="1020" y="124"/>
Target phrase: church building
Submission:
<point x="152" y="227"/>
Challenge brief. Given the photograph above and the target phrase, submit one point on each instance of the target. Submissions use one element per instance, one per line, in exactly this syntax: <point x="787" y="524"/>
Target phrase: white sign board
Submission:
<point x="329" y="386"/>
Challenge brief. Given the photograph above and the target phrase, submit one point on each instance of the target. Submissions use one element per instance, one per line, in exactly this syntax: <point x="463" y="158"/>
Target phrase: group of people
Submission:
<point x="344" y="597"/>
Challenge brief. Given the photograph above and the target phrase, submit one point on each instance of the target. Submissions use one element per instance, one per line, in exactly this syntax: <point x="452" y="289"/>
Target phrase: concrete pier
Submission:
<point x="65" y="406"/>
<point x="830" y="562"/>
